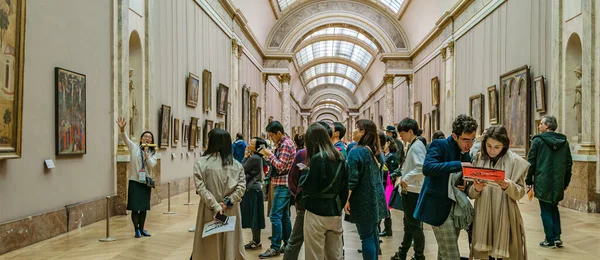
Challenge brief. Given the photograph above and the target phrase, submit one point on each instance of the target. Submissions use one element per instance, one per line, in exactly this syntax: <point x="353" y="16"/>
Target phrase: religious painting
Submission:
<point x="540" y="94"/>
<point x="208" y="125"/>
<point x="493" y="105"/>
<point x="165" y="122"/>
<point x="515" y="109"/>
<point x="12" y="42"/>
<point x="198" y="134"/>
<point x="184" y="134"/>
<point x="435" y="91"/>
<point x="537" y="123"/>
<point x="435" y="119"/>
<point x="70" y="113"/>
<point x="193" y="88"/>
<point x="206" y="91"/>
<point x="222" y="97"/>
<point x="476" y="111"/>
<point x="175" y="140"/>
<point x="192" y="133"/>
<point x="417" y="113"/>
<point x="253" y="114"/>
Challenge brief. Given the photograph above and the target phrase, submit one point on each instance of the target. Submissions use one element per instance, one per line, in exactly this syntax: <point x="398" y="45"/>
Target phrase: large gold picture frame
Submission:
<point x="12" y="42"/>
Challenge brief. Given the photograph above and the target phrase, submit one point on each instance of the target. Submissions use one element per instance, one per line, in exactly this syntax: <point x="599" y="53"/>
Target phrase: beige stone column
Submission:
<point x="305" y="122"/>
<point x="449" y="92"/>
<point x="235" y="121"/>
<point x="588" y="132"/>
<point x="284" y="79"/>
<point x="556" y="52"/>
<point x="388" y="80"/>
<point x="409" y="94"/>
<point x="265" y="117"/>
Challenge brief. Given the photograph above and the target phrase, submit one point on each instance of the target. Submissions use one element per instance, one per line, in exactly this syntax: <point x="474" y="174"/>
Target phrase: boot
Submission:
<point x="387" y="232"/>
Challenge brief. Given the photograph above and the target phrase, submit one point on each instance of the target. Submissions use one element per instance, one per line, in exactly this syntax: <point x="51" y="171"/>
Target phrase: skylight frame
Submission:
<point x="334" y="80"/>
<point x="284" y="4"/>
<point x="394" y="5"/>
<point x="337" y="30"/>
<point x="332" y="68"/>
<point x="334" y="49"/>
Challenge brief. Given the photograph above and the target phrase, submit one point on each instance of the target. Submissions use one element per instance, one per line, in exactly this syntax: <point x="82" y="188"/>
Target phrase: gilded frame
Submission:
<point x="435" y="91"/>
<point x="70" y="113"/>
<point x="476" y="106"/>
<point x="192" y="90"/>
<point x="222" y="99"/>
<point x="164" y="126"/>
<point x="206" y="91"/>
<point x="493" y="105"/>
<point x="11" y="136"/>
<point x="540" y="94"/>
<point x="417" y="115"/>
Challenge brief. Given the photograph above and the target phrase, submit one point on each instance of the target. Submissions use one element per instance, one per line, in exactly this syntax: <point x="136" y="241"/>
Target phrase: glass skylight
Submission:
<point x="331" y="80"/>
<point x="392" y="4"/>
<point x="283" y="4"/>
<point x="334" y="107"/>
<point x="343" y="31"/>
<point x="337" y="68"/>
<point x="334" y="48"/>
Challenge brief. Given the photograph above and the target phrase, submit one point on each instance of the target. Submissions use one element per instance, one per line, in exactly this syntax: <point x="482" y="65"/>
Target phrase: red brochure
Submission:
<point x="487" y="174"/>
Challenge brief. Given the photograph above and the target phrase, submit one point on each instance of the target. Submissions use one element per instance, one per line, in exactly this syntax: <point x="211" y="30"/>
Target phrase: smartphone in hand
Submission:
<point x="221" y="217"/>
<point x="302" y="166"/>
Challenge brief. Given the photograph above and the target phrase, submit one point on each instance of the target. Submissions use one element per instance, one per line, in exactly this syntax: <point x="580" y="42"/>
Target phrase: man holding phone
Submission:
<point x="281" y="159"/>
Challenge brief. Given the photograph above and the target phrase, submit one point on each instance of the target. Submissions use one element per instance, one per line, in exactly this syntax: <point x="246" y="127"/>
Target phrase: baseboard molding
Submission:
<point x="33" y="229"/>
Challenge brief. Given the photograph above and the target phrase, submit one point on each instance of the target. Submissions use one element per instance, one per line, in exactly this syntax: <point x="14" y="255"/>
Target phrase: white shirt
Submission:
<point x="135" y="164"/>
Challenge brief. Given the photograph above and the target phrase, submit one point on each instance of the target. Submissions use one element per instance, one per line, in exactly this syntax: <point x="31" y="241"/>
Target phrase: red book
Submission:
<point x="487" y="174"/>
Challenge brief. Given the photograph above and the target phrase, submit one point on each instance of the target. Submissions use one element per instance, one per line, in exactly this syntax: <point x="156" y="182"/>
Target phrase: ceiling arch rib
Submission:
<point x="328" y="106"/>
<point x="340" y="38"/>
<point x="342" y="30"/>
<point x="330" y="101"/>
<point x="329" y="69"/>
<point x="316" y="98"/>
<point x="334" y="48"/>
<point x="321" y="75"/>
<point x="327" y="117"/>
<point x="336" y="91"/>
<point x="315" y="62"/>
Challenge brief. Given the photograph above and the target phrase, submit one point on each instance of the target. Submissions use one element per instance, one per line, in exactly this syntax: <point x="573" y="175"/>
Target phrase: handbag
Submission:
<point x="396" y="199"/>
<point x="150" y="182"/>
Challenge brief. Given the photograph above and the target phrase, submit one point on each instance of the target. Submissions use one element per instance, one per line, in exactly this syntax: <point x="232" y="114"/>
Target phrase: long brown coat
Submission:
<point x="498" y="226"/>
<point x="214" y="183"/>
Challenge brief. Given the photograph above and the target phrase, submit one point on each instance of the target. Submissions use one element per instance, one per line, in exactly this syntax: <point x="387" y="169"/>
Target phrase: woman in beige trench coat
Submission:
<point x="221" y="183"/>
<point x="498" y="231"/>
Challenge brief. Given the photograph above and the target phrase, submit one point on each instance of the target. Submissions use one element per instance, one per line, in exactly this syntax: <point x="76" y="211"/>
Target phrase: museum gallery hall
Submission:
<point x="109" y="110"/>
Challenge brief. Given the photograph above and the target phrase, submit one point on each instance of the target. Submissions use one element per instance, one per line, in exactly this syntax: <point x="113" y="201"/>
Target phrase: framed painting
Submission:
<point x="540" y="94"/>
<point x="206" y="91"/>
<point x="208" y="125"/>
<point x="435" y="91"/>
<point x="476" y="111"/>
<point x="184" y="134"/>
<point x="253" y="114"/>
<point x="198" y="135"/>
<point x="493" y="105"/>
<point x="435" y="119"/>
<point x="515" y="109"/>
<point x="427" y="126"/>
<point x="165" y="120"/>
<point x="12" y="42"/>
<point x="222" y="98"/>
<point x="70" y="113"/>
<point x="417" y="113"/>
<point x="193" y="88"/>
<point x="537" y="123"/>
<point x="175" y="140"/>
<point x="192" y="133"/>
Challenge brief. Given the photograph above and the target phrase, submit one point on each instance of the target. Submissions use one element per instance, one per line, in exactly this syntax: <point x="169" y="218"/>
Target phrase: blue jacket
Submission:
<point x="443" y="158"/>
<point x="238" y="149"/>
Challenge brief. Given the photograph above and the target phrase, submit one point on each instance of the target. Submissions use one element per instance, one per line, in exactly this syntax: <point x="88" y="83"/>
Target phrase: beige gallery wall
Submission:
<point x="81" y="42"/>
<point x="185" y="40"/>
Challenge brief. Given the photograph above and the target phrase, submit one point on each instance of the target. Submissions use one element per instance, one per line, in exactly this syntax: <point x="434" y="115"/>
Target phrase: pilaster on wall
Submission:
<point x="588" y="146"/>
<point x="449" y="86"/>
<point x="388" y="81"/>
<point x="284" y="80"/>
<point x="409" y="90"/>
<point x="235" y="119"/>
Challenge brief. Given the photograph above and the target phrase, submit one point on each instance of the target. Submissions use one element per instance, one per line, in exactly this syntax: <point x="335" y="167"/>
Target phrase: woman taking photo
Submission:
<point x="324" y="191"/>
<point x="253" y="208"/>
<point x="221" y="183"/>
<point x="366" y="200"/>
<point x="498" y="231"/>
<point x="143" y="159"/>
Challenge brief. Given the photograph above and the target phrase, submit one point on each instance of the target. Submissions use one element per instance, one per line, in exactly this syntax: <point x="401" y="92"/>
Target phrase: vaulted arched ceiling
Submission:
<point x="334" y="43"/>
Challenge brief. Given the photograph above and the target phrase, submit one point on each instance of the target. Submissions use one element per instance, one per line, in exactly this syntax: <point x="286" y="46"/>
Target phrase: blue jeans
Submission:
<point x="550" y="220"/>
<point x="280" y="217"/>
<point x="369" y="238"/>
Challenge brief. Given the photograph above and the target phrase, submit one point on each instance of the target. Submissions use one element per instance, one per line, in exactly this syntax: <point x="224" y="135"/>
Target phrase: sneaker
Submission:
<point x="547" y="244"/>
<point x="138" y="234"/>
<point x="145" y="233"/>
<point x="253" y="245"/>
<point x="269" y="253"/>
<point x="398" y="256"/>
<point x="558" y="243"/>
<point x="282" y="249"/>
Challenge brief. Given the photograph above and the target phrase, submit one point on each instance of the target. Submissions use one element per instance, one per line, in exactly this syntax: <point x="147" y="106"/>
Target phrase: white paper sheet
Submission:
<point x="216" y="226"/>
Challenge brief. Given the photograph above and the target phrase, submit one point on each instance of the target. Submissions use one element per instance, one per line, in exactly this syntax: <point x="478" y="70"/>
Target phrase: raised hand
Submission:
<point x="121" y="122"/>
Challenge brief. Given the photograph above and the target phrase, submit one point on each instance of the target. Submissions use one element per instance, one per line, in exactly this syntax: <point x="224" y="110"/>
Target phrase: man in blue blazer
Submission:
<point x="444" y="157"/>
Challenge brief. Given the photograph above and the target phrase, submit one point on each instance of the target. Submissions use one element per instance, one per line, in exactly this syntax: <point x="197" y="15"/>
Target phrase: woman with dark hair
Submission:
<point x="221" y="183"/>
<point x="391" y="164"/>
<point x="143" y="159"/>
<point x="496" y="210"/>
<point x="299" y="141"/>
<point x="324" y="190"/>
<point x="366" y="200"/>
<point x="252" y="205"/>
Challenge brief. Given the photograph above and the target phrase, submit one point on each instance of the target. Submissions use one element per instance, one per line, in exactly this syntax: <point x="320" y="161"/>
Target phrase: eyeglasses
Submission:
<point x="466" y="140"/>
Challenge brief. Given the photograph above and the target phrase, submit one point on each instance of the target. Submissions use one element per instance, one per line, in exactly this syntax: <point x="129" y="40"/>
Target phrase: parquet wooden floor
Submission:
<point x="171" y="240"/>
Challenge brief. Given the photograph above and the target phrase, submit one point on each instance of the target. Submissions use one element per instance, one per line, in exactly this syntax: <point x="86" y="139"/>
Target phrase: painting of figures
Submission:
<point x="476" y="111"/>
<point x="165" y="123"/>
<point x="515" y="114"/>
<point x="12" y="42"/>
<point x="70" y="112"/>
<point x="193" y="87"/>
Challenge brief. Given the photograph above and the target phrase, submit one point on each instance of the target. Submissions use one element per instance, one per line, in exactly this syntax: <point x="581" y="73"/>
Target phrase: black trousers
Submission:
<point x="413" y="228"/>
